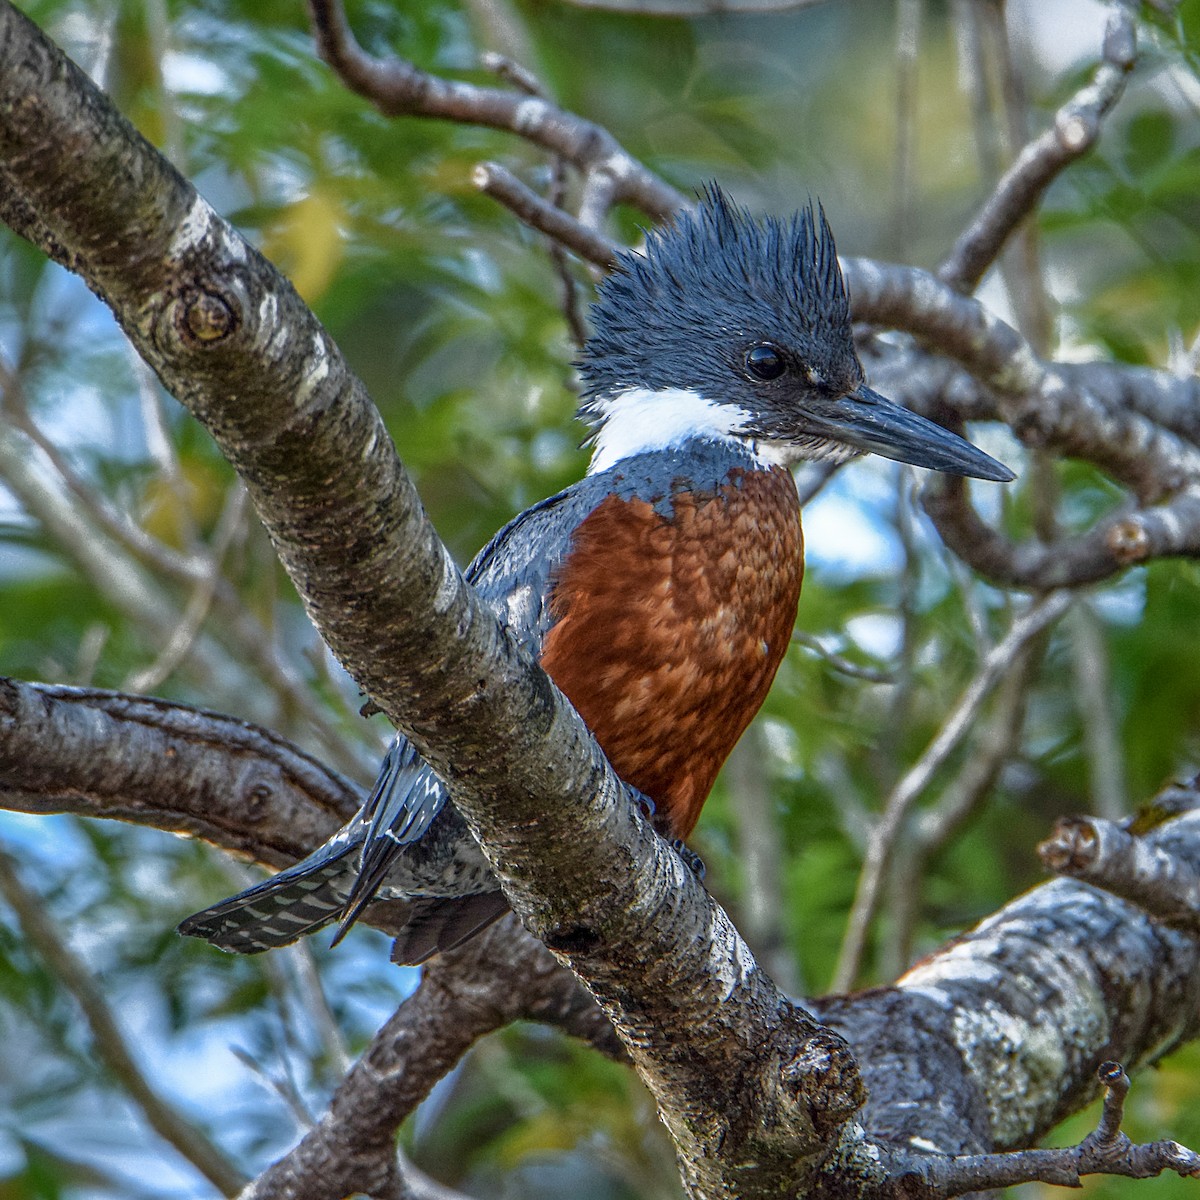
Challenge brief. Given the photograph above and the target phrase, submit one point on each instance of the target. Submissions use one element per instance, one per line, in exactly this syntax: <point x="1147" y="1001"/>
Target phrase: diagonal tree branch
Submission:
<point x="397" y="87"/>
<point x="996" y="665"/>
<point x="500" y="977"/>
<point x="707" y="1030"/>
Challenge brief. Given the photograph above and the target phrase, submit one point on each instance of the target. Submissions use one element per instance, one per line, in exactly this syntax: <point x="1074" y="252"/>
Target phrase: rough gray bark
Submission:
<point x="981" y="1048"/>
<point x="750" y="1086"/>
<point x="757" y="1094"/>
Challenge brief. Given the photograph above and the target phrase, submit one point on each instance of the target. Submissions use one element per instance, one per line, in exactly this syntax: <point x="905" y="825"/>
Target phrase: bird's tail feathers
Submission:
<point x="280" y="910"/>
<point x="441" y="923"/>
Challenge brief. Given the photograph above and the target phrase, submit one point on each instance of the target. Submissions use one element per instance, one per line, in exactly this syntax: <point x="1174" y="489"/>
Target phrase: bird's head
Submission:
<point x="738" y="329"/>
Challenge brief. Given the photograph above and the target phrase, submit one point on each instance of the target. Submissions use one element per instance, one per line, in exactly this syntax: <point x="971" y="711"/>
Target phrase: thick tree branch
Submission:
<point x="1121" y="859"/>
<point x="751" y="1088"/>
<point x="102" y="754"/>
<point x="956" y="1054"/>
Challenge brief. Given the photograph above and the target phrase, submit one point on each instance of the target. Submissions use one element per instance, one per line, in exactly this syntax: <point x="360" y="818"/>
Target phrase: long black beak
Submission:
<point x="868" y="421"/>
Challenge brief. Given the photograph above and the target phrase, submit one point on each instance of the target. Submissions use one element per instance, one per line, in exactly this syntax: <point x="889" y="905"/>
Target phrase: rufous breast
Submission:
<point x="671" y="620"/>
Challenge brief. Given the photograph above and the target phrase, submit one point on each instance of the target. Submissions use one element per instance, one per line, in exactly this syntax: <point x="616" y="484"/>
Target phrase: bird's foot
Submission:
<point x="646" y="806"/>
<point x="690" y="858"/>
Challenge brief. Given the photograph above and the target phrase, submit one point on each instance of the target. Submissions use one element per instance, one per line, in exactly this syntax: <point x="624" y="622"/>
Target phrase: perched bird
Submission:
<point x="659" y="592"/>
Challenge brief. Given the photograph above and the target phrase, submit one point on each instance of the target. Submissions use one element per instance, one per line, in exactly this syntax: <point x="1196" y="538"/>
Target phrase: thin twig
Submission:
<point x="1038" y="617"/>
<point x="839" y="663"/>
<point x="908" y="39"/>
<point x="512" y="72"/>
<point x="132" y="537"/>
<point x="525" y="80"/>
<point x="1074" y="131"/>
<point x="1105" y="1151"/>
<point x="160" y="446"/>
<point x="813" y="478"/>
<point x="110" y="1042"/>
<point x="932" y="828"/>
<point x="200" y="602"/>
<point x="760" y="853"/>
<point x="1096" y="699"/>
<point x="991" y="750"/>
<point x="93" y="518"/>
<point x="398" y="88"/>
<point x="501" y="184"/>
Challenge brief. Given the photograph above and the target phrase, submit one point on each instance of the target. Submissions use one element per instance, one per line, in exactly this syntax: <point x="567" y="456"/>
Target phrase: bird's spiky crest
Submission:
<point x="714" y="270"/>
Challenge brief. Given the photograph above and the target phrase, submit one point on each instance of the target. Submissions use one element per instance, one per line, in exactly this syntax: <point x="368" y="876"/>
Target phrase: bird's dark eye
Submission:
<point x="765" y="362"/>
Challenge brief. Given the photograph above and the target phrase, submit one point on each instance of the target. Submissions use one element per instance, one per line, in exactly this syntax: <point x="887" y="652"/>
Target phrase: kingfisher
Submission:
<point x="660" y="592"/>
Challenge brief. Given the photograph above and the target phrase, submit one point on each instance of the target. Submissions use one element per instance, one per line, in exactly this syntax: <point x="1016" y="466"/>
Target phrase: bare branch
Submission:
<point x="110" y="1042"/>
<point x="1111" y="545"/>
<point x="398" y="88"/>
<point x="501" y="184"/>
<point x="1038" y="400"/>
<point x="199" y="604"/>
<point x="1075" y="130"/>
<point x="1105" y="1151"/>
<point x="838" y="662"/>
<point x="97" y="536"/>
<point x="502" y="976"/>
<point x="968" y="789"/>
<point x="1142" y="871"/>
<point x="102" y="754"/>
<point x="756" y="824"/>
<point x="1097" y="698"/>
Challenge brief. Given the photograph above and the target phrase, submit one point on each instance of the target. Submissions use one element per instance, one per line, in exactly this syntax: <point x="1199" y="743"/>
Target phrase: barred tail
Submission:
<point x="280" y="910"/>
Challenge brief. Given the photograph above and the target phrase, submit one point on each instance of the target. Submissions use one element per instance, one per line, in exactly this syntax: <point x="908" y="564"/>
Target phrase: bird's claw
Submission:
<point x="690" y="858"/>
<point x="646" y="806"/>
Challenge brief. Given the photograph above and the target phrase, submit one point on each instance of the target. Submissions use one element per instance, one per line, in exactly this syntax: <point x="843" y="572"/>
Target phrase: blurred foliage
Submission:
<point x="451" y="313"/>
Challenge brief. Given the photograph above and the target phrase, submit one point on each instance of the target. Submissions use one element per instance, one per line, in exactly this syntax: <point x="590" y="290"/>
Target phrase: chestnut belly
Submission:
<point x="670" y="623"/>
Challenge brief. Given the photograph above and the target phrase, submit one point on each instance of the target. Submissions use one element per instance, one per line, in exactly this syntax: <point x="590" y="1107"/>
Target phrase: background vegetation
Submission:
<point x="898" y="117"/>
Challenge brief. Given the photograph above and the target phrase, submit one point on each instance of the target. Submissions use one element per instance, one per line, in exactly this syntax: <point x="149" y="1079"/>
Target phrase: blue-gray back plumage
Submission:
<point x="407" y="841"/>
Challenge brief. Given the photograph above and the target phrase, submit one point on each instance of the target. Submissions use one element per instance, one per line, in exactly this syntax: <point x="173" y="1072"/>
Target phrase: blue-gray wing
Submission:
<point x="512" y="574"/>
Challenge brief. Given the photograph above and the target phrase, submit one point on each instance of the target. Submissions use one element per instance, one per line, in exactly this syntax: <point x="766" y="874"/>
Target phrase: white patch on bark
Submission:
<point x="528" y="115"/>
<point x="921" y="1143"/>
<point x="317" y="371"/>
<point x="1017" y="1060"/>
<point x="732" y="961"/>
<point x="448" y="585"/>
<point x="199" y="222"/>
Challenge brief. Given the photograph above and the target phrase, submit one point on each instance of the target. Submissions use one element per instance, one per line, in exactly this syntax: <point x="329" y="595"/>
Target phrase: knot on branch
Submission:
<point x="1129" y="541"/>
<point x="823" y="1076"/>
<point x="1136" y="861"/>
<point x="203" y="316"/>
<point x="256" y="794"/>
